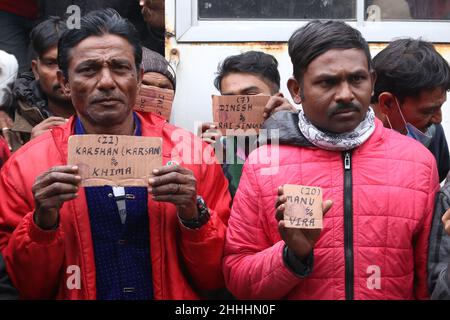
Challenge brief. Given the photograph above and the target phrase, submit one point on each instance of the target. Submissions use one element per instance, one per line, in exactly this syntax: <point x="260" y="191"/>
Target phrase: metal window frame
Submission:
<point x="189" y="29"/>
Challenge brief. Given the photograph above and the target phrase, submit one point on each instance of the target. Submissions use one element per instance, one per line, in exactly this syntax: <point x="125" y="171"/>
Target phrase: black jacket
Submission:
<point x="439" y="149"/>
<point x="439" y="248"/>
<point x="30" y="107"/>
<point x="284" y="126"/>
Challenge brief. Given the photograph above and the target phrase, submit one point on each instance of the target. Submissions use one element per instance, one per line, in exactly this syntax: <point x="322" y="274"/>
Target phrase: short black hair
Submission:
<point x="408" y="66"/>
<point x="254" y="62"/>
<point x="99" y="23"/>
<point x="317" y="37"/>
<point x="45" y="35"/>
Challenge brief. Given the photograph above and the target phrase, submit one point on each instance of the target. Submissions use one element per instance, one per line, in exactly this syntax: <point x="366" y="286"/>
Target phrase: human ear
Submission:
<point x="294" y="90"/>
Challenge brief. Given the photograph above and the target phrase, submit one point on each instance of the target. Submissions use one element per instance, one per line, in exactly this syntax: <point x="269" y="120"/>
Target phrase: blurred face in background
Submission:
<point x="45" y="69"/>
<point x="153" y="13"/>
<point x="156" y="79"/>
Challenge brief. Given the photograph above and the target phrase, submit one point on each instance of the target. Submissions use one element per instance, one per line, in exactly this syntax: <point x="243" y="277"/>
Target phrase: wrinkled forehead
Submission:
<point x="157" y="79"/>
<point x="101" y="49"/>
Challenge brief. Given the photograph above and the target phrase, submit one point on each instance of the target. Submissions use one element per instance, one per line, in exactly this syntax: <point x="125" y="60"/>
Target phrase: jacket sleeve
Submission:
<point x="33" y="257"/>
<point x="253" y="264"/>
<point x="439" y="252"/>
<point x="202" y="249"/>
<point x="421" y="238"/>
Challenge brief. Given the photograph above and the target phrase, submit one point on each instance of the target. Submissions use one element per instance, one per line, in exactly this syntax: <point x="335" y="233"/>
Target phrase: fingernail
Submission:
<point x="75" y="168"/>
<point x="78" y="177"/>
<point x="149" y="190"/>
<point x="155" y="171"/>
<point x="151" y="180"/>
<point x="213" y="126"/>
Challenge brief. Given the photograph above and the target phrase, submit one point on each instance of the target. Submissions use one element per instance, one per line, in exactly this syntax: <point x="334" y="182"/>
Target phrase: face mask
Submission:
<point x="413" y="132"/>
<point x="423" y="138"/>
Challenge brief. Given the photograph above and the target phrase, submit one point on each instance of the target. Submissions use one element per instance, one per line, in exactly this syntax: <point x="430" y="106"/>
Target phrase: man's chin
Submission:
<point x="109" y="118"/>
<point x="344" y="127"/>
<point x="60" y="99"/>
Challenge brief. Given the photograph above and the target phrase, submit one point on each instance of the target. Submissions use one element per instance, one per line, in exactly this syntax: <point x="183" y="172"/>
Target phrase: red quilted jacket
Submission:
<point x="41" y="263"/>
<point x="376" y="250"/>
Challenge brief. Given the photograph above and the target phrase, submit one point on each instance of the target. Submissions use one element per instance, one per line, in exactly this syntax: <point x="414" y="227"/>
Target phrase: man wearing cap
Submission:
<point x="157" y="89"/>
<point x="157" y="71"/>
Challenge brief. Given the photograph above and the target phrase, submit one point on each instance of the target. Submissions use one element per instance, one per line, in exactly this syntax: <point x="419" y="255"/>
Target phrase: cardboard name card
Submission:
<point x="114" y="160"/>
<point x="243" y="114"/>
<point x="303" y="207"/>
<point x="156" y="100"/>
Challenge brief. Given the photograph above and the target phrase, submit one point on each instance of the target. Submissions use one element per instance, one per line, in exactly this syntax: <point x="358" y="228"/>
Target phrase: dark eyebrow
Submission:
<point x="250" y="88"/>
<point x="432" y="107"/>
<point x="88" y="63"/>
<point x="96" y="62"/>
<point x="325" y="75"/>
<point x="121" y="61"/>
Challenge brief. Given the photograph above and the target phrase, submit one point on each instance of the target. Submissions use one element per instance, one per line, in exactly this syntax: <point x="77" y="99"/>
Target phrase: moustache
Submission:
<point x="344" y="107"/>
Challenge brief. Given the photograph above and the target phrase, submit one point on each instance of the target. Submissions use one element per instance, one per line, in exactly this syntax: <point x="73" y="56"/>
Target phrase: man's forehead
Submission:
<point x="102" y="48"/>
<point x="50" y="53"/>
<point x="433" y="95"/>
<point x="245" y="79"/>
<point x="353" y="60"/>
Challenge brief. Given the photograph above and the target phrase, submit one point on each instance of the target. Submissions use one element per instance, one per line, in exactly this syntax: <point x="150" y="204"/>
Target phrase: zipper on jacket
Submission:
<point x="348" y="225"/>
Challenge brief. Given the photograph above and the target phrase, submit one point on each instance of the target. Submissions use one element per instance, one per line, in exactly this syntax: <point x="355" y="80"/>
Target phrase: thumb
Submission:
<point x="326" y="205"/>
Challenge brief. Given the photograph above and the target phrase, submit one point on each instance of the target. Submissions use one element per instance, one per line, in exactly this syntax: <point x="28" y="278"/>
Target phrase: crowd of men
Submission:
<point x="366" y="131"/>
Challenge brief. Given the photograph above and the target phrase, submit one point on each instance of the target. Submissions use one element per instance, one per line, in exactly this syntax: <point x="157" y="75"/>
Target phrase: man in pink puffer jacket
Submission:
<point x="381" y="184"/>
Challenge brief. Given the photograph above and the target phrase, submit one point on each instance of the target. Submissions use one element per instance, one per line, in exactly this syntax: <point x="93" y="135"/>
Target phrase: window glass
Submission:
<point x="276" y="9"/>
<point x="379" y="10"/>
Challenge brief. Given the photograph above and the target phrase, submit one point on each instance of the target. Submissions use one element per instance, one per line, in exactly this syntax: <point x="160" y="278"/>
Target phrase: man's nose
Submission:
<point x="344" y="93"/>
<point x="106" y="81"/>
<point x="437" y="117"/>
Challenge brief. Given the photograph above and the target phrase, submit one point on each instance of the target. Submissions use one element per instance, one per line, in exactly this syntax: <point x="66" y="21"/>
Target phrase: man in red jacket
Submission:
<point x="374" y="240"/>
<point x="60" y="240"/>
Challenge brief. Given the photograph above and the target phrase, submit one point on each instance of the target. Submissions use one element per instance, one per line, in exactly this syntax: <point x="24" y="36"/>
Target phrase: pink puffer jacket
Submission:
<point x="394" y="182"/>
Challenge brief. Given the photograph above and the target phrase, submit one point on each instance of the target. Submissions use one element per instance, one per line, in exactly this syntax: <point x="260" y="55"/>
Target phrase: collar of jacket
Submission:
<point x="27" y="89"/>
<point x="286" y="122"/>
